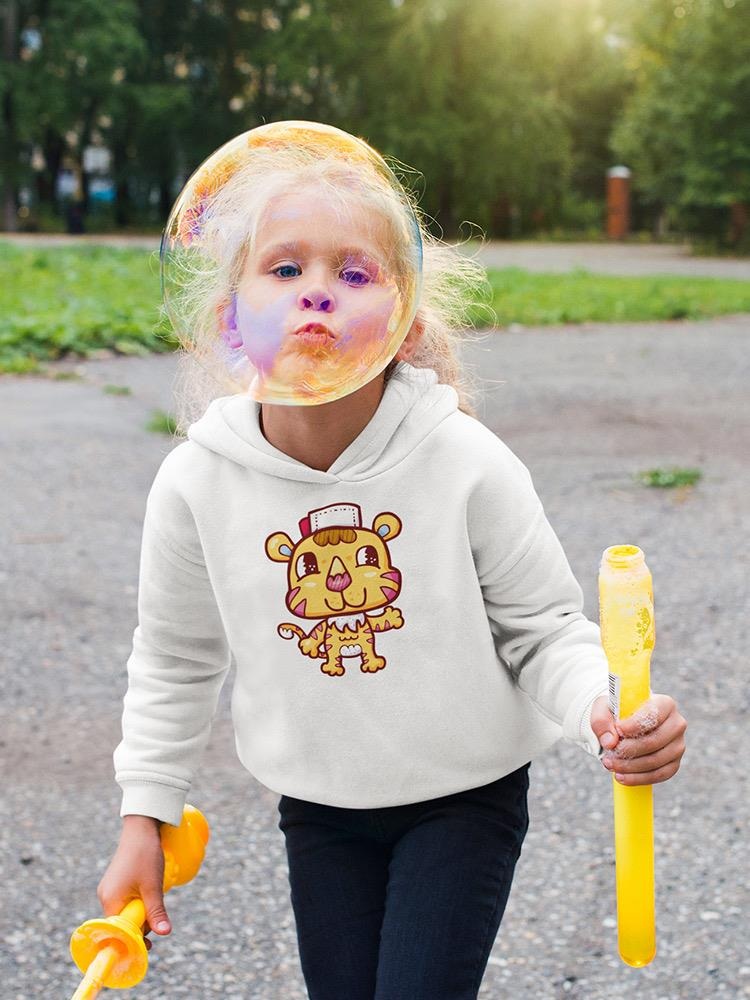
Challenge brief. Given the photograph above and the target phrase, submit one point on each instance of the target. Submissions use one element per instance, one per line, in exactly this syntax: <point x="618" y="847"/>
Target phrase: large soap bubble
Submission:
<point x="294" y="253"/>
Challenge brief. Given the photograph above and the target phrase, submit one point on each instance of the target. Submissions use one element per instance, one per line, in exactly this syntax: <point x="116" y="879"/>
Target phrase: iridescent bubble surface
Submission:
<point x="294" y="255"/>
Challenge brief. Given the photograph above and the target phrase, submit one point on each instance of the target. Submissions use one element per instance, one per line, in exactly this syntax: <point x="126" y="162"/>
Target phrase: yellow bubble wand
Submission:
<point x="626" y="614"/>
<point x="111" y="950"/>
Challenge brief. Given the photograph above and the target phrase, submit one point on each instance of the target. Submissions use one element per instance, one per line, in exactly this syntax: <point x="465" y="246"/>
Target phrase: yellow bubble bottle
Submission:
<point x="626" y="615"/>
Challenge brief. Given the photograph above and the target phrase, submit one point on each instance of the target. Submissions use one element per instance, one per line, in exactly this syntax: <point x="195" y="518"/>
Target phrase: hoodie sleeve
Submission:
<point x="533" y="601"/>
<point x="179" y="661"/>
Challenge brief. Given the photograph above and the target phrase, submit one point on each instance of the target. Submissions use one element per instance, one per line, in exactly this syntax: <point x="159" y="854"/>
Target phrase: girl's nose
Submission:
<point x="316" y="298"/>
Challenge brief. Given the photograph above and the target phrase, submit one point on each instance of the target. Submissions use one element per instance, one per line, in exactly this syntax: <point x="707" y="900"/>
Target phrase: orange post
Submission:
<point x="618" y="202"/>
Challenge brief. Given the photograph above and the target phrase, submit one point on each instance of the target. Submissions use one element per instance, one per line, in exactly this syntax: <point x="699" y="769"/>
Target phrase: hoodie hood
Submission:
<point x="413" y="404"/>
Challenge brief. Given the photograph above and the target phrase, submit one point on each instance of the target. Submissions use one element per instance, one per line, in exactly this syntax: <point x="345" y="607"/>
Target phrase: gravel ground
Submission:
<point x="584" y="407"/>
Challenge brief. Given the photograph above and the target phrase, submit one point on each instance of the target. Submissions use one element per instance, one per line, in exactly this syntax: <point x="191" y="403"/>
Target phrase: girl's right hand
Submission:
<point x="137" y="871"/>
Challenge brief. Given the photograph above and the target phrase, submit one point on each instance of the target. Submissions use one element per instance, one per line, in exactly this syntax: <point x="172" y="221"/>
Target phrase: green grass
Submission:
<point x="578" y="296"/>
<point x="76" y="300"/>
<point x="669" y="477"/>
<point x="58" y="301"/>
<point x="161" y="423"/>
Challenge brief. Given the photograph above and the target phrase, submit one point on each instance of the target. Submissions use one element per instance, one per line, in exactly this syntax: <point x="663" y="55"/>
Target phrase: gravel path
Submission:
<point x="584" y="407"/>
<point x="532" y="255"/>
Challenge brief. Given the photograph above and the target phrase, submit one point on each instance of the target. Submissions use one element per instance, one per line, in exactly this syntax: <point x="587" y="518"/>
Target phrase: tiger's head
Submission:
<point x="338" y="569"/>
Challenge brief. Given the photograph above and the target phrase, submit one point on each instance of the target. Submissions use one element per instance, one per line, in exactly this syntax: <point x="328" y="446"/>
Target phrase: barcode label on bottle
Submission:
<point x="614" y="695"/>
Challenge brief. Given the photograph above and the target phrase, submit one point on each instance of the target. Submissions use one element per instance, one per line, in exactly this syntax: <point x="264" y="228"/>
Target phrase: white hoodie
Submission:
<point x="404" y="626"/>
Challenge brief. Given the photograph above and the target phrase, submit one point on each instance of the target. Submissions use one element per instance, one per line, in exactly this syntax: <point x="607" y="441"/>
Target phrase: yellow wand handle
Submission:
<point x="626" y="614"/>
<point x="110" y="951"/>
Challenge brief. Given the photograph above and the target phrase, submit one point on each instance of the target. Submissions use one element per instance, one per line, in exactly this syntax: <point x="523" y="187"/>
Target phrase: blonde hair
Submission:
<point x="201" y="276"/>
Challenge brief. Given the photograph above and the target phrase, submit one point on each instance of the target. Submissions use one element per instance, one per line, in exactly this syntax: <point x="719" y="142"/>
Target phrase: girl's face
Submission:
<point x="316" y="308"/>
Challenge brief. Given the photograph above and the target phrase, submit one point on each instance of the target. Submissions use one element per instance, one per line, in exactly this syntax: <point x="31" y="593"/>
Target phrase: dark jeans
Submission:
<point x="403" y="902"/>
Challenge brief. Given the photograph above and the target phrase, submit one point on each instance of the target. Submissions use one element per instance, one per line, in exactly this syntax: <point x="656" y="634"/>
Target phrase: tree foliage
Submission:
<point x="685" y="129"/>
<point x="511" y="110"/>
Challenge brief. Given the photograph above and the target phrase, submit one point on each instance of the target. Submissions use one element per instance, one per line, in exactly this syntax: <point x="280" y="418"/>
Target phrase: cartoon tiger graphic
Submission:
<point x="342" y="573"/>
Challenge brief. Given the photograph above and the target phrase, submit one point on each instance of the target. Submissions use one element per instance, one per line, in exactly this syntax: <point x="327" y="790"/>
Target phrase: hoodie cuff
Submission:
<point x="586" y="736"/>
<point x="163" y="802"/>
<point x="578" y="726"/>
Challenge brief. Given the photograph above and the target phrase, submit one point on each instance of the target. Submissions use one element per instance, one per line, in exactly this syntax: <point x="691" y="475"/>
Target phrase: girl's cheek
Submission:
<point x="371" y="320"/>
<point x="263" y="328"/>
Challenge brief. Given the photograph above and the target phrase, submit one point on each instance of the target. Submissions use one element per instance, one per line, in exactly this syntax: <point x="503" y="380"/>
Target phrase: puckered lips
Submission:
<point x="315" y="334"/>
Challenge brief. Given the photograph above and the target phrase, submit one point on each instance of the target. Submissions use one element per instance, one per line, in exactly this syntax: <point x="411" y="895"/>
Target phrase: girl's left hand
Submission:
<point x="647" y="746"/>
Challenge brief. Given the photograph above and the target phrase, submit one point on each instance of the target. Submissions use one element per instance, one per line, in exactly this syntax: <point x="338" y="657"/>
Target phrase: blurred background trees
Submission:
<point x="510" y="111"/>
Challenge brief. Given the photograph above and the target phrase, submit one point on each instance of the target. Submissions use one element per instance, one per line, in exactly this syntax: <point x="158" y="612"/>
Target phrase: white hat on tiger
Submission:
<point x="337" y="515"/>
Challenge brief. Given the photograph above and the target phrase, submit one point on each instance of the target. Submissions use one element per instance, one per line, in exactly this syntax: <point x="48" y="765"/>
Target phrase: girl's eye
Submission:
<point x="355" y="277"/>
<point x="286" y="267"/>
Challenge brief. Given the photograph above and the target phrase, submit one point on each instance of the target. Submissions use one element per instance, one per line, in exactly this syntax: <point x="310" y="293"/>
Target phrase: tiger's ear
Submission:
<point x="386" y="525"/>
<point x="279" y="547"/>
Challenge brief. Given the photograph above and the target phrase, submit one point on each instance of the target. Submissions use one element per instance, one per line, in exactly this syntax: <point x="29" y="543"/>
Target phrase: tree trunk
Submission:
<point x="738" y="219"/>
<point x="88" y="125"/>
<point x="661" y="226"/>
<point x="53" y="147"/>
<point x="501" y="217"/>
<point x="445" y="207"/>
<point x="120" y="176"/>
<point x="10" y="145"/>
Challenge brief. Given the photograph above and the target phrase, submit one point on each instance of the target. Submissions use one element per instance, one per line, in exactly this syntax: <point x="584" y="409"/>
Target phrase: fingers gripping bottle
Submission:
<point x="626" y="614"/>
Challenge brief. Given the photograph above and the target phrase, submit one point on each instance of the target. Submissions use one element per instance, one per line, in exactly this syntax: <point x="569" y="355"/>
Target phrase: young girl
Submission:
<point x="407" y="632"/>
